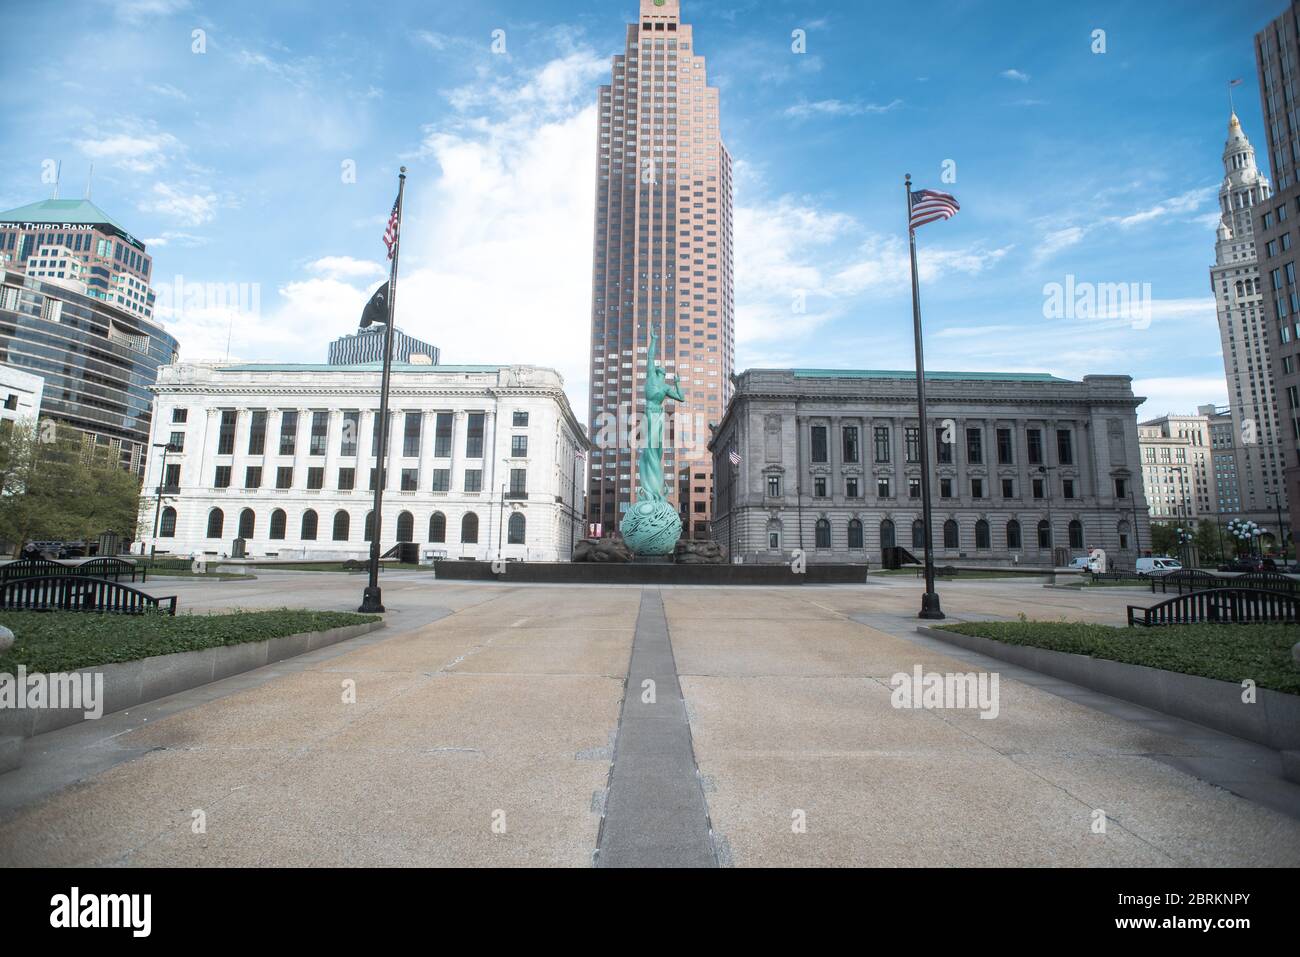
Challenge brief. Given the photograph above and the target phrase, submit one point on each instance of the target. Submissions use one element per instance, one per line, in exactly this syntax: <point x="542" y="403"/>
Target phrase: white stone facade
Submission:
<point x="495" y="451"/>
<point x="20" y="394"/>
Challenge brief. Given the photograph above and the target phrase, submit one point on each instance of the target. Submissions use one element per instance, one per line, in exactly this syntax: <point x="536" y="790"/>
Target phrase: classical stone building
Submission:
<point x="482" y="460"/>
<point x="1028" y="468"/>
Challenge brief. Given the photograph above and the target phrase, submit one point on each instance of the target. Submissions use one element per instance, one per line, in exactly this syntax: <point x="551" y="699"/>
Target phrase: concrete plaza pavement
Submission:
<point x="491" y="727"/>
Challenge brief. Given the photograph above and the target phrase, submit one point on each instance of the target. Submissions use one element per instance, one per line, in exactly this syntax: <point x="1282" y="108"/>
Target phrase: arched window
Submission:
<point x="167" y="528"/>
<point x="1044" y="534"/>
<point x="437" y="527"/>
<point x="515" y="530"/>
<point x="887" y="534"/>
<point x="278" y="522"/>
<point x="341" y="523"/>
<point x="1013" y="534"/>
<point x="308" y="532"/>
<point x="918" y="534"/>
<point x="369" y="532"/>
<point x="406" y="527"/>
<point x="982" y="534"/>
<point x="1076" y="534"/>
<point x="247" y="523"/>
<point x="822" y="536"/>
<point x="469" y="529"/>
<point x="951" y="534"/>
<point x="216" y="521"/>
<point x="855" y="533"/>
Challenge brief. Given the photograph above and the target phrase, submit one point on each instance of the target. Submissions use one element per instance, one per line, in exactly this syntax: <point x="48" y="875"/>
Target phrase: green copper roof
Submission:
<point x="78" y="211"/>
<point x="936" y="376"/>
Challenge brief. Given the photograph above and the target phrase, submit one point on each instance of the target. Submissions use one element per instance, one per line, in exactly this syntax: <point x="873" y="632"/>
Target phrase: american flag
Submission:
<point x="931" y="204"/>
<point x="735" y="457"/>
<point x="390" y="231"/>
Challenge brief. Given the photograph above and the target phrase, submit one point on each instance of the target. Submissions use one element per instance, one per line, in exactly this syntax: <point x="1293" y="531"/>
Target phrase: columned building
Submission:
<point x="482" y="461"/>
<point x="662" y="255"/>
<point x="1029" y="469"/>
<point x="1178" y="466"/>
<point x="1245" y="333"/>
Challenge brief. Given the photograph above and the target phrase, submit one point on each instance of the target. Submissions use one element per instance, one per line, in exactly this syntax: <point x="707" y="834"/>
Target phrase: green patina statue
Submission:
<point x="652" y="526"/>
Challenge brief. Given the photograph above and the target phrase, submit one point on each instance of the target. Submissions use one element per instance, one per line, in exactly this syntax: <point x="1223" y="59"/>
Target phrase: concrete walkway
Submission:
<point x="490" y="728"/>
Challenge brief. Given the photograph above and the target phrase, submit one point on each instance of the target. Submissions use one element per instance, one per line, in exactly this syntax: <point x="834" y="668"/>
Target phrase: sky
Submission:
<point x="257" y="144"/>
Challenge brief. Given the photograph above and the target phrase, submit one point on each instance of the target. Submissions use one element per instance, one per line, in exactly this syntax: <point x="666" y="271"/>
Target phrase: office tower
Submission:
<point x="368" y="346"/>
<point x="662" y="255"/>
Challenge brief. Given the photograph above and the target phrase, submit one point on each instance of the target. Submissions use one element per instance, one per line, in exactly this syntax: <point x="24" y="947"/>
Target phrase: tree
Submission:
<point x="1164" y="539"/>
<point x="1207" y="542"/>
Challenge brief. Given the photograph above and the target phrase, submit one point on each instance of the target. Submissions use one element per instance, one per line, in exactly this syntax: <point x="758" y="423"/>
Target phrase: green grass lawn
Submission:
<point x="66" y="640"/>
<point x="1227" y="652"/>
<point x="982" y="573"/>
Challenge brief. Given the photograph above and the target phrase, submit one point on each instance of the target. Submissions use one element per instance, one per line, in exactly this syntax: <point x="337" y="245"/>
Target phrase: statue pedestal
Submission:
<point x="653" y="560"/>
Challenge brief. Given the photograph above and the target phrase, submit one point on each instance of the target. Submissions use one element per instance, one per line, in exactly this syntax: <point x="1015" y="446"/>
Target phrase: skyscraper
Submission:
<point x="662" y="255"/>
<point x="1244" y="333"/>
<point x="1277" y="57"/>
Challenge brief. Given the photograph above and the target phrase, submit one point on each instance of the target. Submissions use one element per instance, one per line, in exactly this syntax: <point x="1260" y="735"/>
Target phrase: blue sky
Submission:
<point x="231" y="164"/>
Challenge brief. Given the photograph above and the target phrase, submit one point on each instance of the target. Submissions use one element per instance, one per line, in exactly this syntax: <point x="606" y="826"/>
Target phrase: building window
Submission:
<point x="774" y="486"/>
<point x="942" y="448"/>
<point x="175" y="444"/>
<point x="1076" y="534"/>
<point x="822" y="534"/>
<point x="515" y="529"/>
<point x="307" y="531"/>
<point x="851" y="487"/>
<point x="1064" y="447"/>
<point x="347" y="480"/>
<point x="882" y="443"/>
<point x="442" y="436"/>
<point x="410" y="480"/>
<point x="341" y="522"/>
<point x="982" y="535"/>
<point x="1034" y="446"/>
<point x="247" y="523"/>
<point x="1013" y="534"/>
<point x="368" y="530"/>
<point x="320" y="422"/>
<point x="883" y="488"/>
<point x="1067" y="488"/>
<point x="976" y="488"/>
<point x="914" y="488"/>
<point x="351" y="429"/>
<point x="316" y="478"/>
<point x="441" y="480"/>
<point x="253" y="476"/>
<point x="284" y="476"/>
<point x="912" y="442"/>
<point x="437" y="528"/>
<point x="411" y="435"/>
<point x="819" y="487"/>
<point x="819" y="443"/>
<point x="226" y="433"/>
<point x="216" y="520"/>
<point x="278" y="522"/>
<point x="855" y="534"/>
<point x="1038" y="488"/>
<point x="519" y="420"/>
<point x="774" y="539"/>
<point x="945" y="488"/>
<point x="918" y="534"/>
<point x="474" y="436"/>
<point x="975" y="446"/>
<point x="1006" y="454"/>
<point x="180" y="415"/>
<point x="1044" y="534"/>
<point x="469" y="529"/>
<point x="405" y="527"/>
<point x="519" y="483"/>
<point x="886" y="534"/>
<point x="473" y="480"/>
<point x="951" y="534"/>
<point x="1008" y="488"/>
<point x="288" y="431"/>
<point x="167" y="527"/>
<point x="1121" y="488"/>
<point x="849" y="436"/>
<point x="222" y="478"/>
<point x="519" y="446"/>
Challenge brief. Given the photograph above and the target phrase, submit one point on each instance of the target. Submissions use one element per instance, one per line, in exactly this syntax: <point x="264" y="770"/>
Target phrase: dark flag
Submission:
<point x="376" y="310"/>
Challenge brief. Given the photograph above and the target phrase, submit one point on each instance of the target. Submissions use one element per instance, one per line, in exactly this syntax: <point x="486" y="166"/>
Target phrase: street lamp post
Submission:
<point x="157" y="507"/>
<point x="1277" y="501"/>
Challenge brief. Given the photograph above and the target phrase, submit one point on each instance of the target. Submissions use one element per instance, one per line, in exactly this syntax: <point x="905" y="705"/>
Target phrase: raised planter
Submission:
<point x="1273" y="720"/>
<point x="640" y="573"/>
<point x="128" y="684"/>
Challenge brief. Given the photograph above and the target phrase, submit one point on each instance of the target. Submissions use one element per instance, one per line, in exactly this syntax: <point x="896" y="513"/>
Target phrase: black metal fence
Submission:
<point x="77" y="593"/>
<point x="1191" y="579"/>
<point x="1235" y="606"/>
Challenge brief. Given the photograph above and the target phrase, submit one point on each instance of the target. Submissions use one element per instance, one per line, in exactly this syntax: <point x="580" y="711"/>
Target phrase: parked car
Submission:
<point x="1158" y="565"/>
<point x="1242" y="565"/>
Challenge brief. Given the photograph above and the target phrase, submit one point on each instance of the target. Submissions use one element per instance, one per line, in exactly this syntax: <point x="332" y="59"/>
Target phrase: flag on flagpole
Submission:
<point x="376" y="311"/>
<point x="390" y="231"/>
<point x="930" y="204"/>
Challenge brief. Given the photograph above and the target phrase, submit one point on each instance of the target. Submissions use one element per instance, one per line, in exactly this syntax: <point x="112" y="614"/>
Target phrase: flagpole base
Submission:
<point x="372" y="601"/>
<point x="930" y="609"/>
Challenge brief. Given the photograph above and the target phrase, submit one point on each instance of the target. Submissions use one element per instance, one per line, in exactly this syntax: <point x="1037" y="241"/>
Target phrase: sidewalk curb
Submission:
<point x="1273" y="721"/>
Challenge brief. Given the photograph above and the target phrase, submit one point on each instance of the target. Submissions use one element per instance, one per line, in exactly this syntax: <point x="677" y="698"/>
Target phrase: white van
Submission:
<point x="1158" y="566"/>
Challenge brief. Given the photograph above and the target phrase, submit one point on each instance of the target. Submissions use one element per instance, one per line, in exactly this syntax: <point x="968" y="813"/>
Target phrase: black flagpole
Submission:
<point x="372" y="597"/>
<point x="930" y="600"/>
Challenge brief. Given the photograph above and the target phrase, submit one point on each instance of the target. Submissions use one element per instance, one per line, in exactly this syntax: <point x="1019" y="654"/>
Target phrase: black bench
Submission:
<point x="30" y="567"/>
<point x="940" y="571"/>
<point x="78" y="593"/>
<point x="114" y="568"/>
<point x="1225" y="606"/>
<point x="1116" y="577"/>
<point x="1187" y="579"/>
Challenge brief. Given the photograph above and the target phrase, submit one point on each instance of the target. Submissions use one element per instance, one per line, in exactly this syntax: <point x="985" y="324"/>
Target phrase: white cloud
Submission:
<point x="1179" y="394"/>
<point x="187" y="209"/>
<point x="1186" y="202"/>
<point x="134" y="11"/>
<point x="346" y="268"/>
<point x="133" y="147"/>
<point x="1016" y="75"/>
<point x="806" y="110"/>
